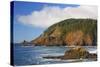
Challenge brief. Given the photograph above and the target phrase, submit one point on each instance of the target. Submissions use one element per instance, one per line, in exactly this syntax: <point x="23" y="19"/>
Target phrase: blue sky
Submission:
<point x="28" y="32"/>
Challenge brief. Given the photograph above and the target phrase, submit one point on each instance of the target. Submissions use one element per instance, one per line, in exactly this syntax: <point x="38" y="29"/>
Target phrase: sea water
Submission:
<point x="33" y="55"/>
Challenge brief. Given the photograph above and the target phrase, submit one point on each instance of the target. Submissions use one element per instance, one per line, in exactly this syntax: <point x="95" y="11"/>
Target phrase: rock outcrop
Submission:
<point x="75" y="53"/>
<point x="25" y="43"/>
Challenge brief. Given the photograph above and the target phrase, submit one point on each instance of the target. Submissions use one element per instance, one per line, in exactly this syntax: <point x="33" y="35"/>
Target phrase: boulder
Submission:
<point x="75" y="53"/>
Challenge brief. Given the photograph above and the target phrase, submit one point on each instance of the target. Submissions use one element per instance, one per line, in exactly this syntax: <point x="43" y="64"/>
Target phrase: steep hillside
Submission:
<point x="71" y="32"/>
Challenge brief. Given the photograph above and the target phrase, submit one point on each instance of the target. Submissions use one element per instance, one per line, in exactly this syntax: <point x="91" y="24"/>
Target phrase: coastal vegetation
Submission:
<point x="69" y="32"/>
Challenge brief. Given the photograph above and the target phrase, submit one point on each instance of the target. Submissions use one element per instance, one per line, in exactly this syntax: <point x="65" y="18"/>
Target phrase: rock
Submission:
<point x="25" y="43"/>
<point x="75" y="53"/>
<point x="92" y="56"/>
<point x="78" y="38"/>
<point x="53" y="57"/>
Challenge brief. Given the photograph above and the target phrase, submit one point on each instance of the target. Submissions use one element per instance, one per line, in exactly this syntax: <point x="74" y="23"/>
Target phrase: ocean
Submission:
<point x="33" y="55"/>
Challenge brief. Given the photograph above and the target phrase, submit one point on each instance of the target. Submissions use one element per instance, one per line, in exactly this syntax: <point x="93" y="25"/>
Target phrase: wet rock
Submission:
<point x="53" y="57"/>
<point x="75" y="53"/>
<point x="92" y="56"/>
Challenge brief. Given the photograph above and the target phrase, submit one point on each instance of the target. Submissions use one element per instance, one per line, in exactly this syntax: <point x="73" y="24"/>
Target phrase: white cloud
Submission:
<point x="50" y="15"/>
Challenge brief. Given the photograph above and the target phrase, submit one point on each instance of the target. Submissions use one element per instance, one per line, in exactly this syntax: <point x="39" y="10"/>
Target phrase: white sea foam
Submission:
<point x="53" y="54"/>
<point x="93" y="51"/>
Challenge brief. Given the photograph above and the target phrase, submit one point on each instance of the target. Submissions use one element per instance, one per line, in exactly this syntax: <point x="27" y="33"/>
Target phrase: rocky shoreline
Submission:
<point x="75" y="53"/>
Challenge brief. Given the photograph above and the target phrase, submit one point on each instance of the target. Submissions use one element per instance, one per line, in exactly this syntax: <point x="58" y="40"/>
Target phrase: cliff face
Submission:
<point x="71" y="32"/>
